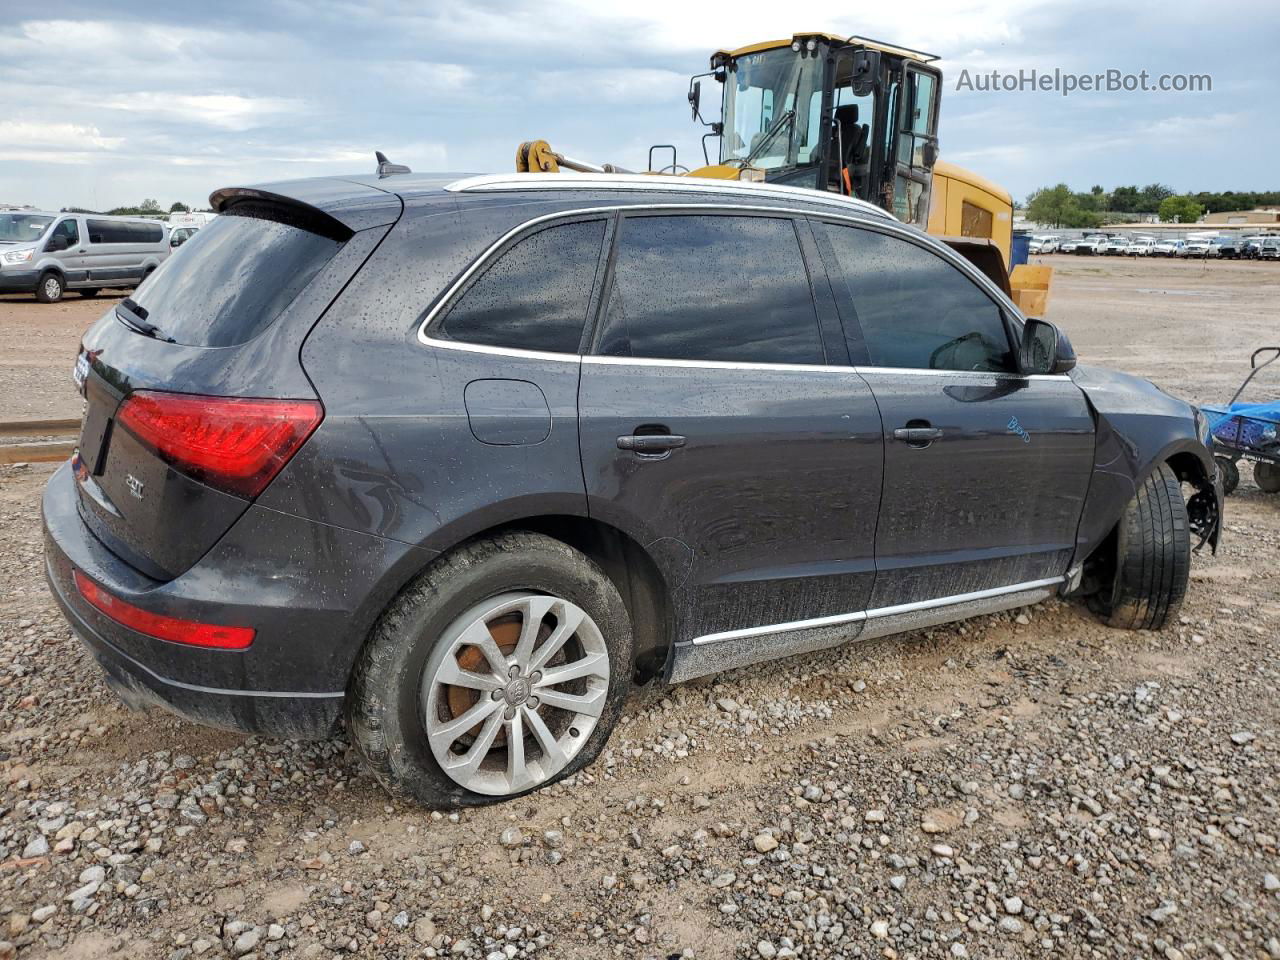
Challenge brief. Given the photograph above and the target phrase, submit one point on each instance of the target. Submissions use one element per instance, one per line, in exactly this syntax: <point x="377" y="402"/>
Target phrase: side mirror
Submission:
<point x="929" y="153"/>
<point x="1044" y="349"/>
<point x="866" y="70"/>
<point x="695" y="99"/>
<point x="176" y="241"/>
<point x="55" y="244"/>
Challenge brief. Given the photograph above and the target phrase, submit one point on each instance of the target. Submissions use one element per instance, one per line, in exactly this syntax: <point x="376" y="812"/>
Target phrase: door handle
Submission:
<point x="917" y="436"/>
<point x="651" y="442"/>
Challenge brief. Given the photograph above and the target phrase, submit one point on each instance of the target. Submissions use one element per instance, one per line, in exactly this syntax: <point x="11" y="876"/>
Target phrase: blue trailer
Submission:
<point x="1248" y="431"/>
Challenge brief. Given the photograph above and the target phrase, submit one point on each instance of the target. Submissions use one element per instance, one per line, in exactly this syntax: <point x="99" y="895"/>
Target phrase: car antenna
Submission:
<point x="386" y="168"/>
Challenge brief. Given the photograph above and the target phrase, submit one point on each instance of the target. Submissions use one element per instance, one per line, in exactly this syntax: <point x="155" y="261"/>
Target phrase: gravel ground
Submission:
<point x="1024" y="784"/>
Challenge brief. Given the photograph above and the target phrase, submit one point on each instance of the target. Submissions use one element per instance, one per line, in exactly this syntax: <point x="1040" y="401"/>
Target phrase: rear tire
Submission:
<point x="1229" y="471"/>
<point x="1267" y="477"/>
<point x="406" y="696"/>
<point x="1153" y="557"/>
<point x="49" y="288"/>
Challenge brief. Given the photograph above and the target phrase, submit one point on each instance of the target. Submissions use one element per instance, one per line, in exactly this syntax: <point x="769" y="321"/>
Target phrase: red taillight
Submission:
<point x="174" y="630"/>
<point x="232" y="443"/>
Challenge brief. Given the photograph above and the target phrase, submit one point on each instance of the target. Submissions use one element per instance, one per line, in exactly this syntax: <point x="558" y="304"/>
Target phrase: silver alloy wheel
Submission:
<point x="514" y="691"/>
<point x="52" y="288"/>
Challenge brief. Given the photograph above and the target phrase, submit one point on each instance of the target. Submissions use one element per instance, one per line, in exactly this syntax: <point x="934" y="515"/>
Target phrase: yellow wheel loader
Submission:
<point x="852" y="116"/>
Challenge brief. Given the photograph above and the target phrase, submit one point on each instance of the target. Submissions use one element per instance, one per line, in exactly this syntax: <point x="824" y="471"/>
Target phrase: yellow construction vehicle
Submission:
<point x="849" y="115"/>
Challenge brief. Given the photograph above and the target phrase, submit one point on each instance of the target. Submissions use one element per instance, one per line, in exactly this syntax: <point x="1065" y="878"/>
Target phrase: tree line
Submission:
<point x="1060" y="206"/>
<point x="147" y="208"/>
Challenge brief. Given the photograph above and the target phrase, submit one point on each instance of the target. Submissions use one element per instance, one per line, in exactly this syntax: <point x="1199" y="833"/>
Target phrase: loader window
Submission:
<point x="534" y="296"/>
<point x="913" y="308"/>
<point x="711" y="288"/>
<point x="768" y="108"/>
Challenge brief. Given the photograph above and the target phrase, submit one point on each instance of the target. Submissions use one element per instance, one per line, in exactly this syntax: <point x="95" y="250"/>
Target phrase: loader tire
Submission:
<point x="1152" y="557"/>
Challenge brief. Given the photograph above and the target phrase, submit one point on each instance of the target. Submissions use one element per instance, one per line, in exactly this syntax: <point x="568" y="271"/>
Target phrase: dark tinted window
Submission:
<point x="535" y="295"/>
<point x="233" y="277"/>
<point x="119" y="231"/>
<point x="916" y="309"/>
<point x="711" y="288"/>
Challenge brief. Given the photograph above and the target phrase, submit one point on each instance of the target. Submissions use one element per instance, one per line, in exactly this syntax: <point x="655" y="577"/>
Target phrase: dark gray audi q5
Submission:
<point x="461" y="460"/>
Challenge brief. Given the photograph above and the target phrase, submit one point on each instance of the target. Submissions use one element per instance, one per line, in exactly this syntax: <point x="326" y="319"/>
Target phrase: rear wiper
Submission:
<point x="134" y="317"/>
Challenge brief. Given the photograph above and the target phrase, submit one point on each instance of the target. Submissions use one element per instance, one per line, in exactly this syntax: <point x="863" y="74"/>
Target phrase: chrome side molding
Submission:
<point x="715" y="652"/>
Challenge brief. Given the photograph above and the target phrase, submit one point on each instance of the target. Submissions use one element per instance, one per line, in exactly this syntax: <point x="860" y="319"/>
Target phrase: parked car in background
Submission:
<point x="1249" y="247"/>
<point x="180" y="235"/>
<point x="1140" y="247"/>
<point x="1203" y="249"/>
<point x="1068" y="244"/>
<point x="1167" y="248"/>
<point x="687" y="463"/>
<point x="1269" y="249"/>
<point x="80" y="252"/>
<point x="1228" y="248"/>
<point x="1116" y="246"/>
<point x="1093" y="244"/>
<point x="1045" y="243"/>
<point x="192" y="218"/>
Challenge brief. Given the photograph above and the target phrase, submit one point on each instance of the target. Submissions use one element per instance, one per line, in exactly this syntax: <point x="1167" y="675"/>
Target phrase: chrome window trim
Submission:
<point x="498" y="351"/>
<point x="931" y="372"/>
<point x="893" y="227"/>
<point x="446" y="299"/>
<point x="602" y="360"/>
<point x="874" y="614"/>
<point x="659" y="183"/>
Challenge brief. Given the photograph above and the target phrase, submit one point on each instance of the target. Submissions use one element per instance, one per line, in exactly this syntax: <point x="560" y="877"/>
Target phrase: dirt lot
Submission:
<point x="1020" y="785"/>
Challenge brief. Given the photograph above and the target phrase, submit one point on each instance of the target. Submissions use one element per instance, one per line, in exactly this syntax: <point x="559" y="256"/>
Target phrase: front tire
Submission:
<point x="502" y="669"/>
<point x="50" y="288"/>
<point x="1152" y="557"/>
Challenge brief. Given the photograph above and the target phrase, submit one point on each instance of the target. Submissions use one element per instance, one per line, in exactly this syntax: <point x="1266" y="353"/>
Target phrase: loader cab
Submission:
<point x="850" y="116"/>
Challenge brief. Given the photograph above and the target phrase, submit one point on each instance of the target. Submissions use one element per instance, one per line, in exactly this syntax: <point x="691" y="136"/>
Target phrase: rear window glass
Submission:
<point x="118" y="231"/>
<point x="535" y="296"/>
<point x="233" y="278"/>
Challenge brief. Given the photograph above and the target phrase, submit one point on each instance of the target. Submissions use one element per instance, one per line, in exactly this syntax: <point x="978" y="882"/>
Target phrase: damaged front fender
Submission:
<point x="1138" y="427"/>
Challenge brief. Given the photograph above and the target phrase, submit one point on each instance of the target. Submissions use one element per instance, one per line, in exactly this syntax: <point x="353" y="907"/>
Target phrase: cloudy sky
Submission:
<point x="105" y="103"/>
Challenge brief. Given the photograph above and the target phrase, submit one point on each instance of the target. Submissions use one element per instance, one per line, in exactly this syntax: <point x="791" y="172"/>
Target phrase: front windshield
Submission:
<point x="22" y="227"/>
<point x="771" y="104"/>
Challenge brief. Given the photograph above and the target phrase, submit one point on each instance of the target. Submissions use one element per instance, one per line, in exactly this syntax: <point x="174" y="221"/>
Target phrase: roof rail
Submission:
<point x="657" y="183"/>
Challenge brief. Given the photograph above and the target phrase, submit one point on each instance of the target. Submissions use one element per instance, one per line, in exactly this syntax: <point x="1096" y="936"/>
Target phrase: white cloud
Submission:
<point x="54" y="135"/>
<point x="222" y="110"/>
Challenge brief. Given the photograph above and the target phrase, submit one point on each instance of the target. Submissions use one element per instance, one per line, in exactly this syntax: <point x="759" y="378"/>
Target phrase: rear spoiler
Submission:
<point x="325" y="205"/>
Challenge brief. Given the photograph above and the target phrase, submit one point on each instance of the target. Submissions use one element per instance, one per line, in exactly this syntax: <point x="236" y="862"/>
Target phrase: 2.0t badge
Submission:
<point x="134" y="484"/>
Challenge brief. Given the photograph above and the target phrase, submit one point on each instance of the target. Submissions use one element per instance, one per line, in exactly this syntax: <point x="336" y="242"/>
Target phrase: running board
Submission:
<point x="730" y="649"/>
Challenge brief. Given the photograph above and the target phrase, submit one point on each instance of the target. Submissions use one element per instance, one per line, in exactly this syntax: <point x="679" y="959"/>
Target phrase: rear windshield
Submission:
<point x="233" y="278"/>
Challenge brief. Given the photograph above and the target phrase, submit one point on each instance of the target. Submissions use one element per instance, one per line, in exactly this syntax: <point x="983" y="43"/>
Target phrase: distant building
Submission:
<point x="1261" y="215"/>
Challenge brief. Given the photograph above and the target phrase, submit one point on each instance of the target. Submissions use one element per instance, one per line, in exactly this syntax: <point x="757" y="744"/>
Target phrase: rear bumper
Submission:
<point x="311" y="592"/>
<point x="18" y="281"/>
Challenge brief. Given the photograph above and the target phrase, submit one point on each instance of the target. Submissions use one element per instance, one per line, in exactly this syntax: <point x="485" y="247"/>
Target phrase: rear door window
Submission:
<point x="715" y="287"/>
<point x="533" y="296"/>
<point x="914" y="309"/>
<point x="233" y="278"/>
